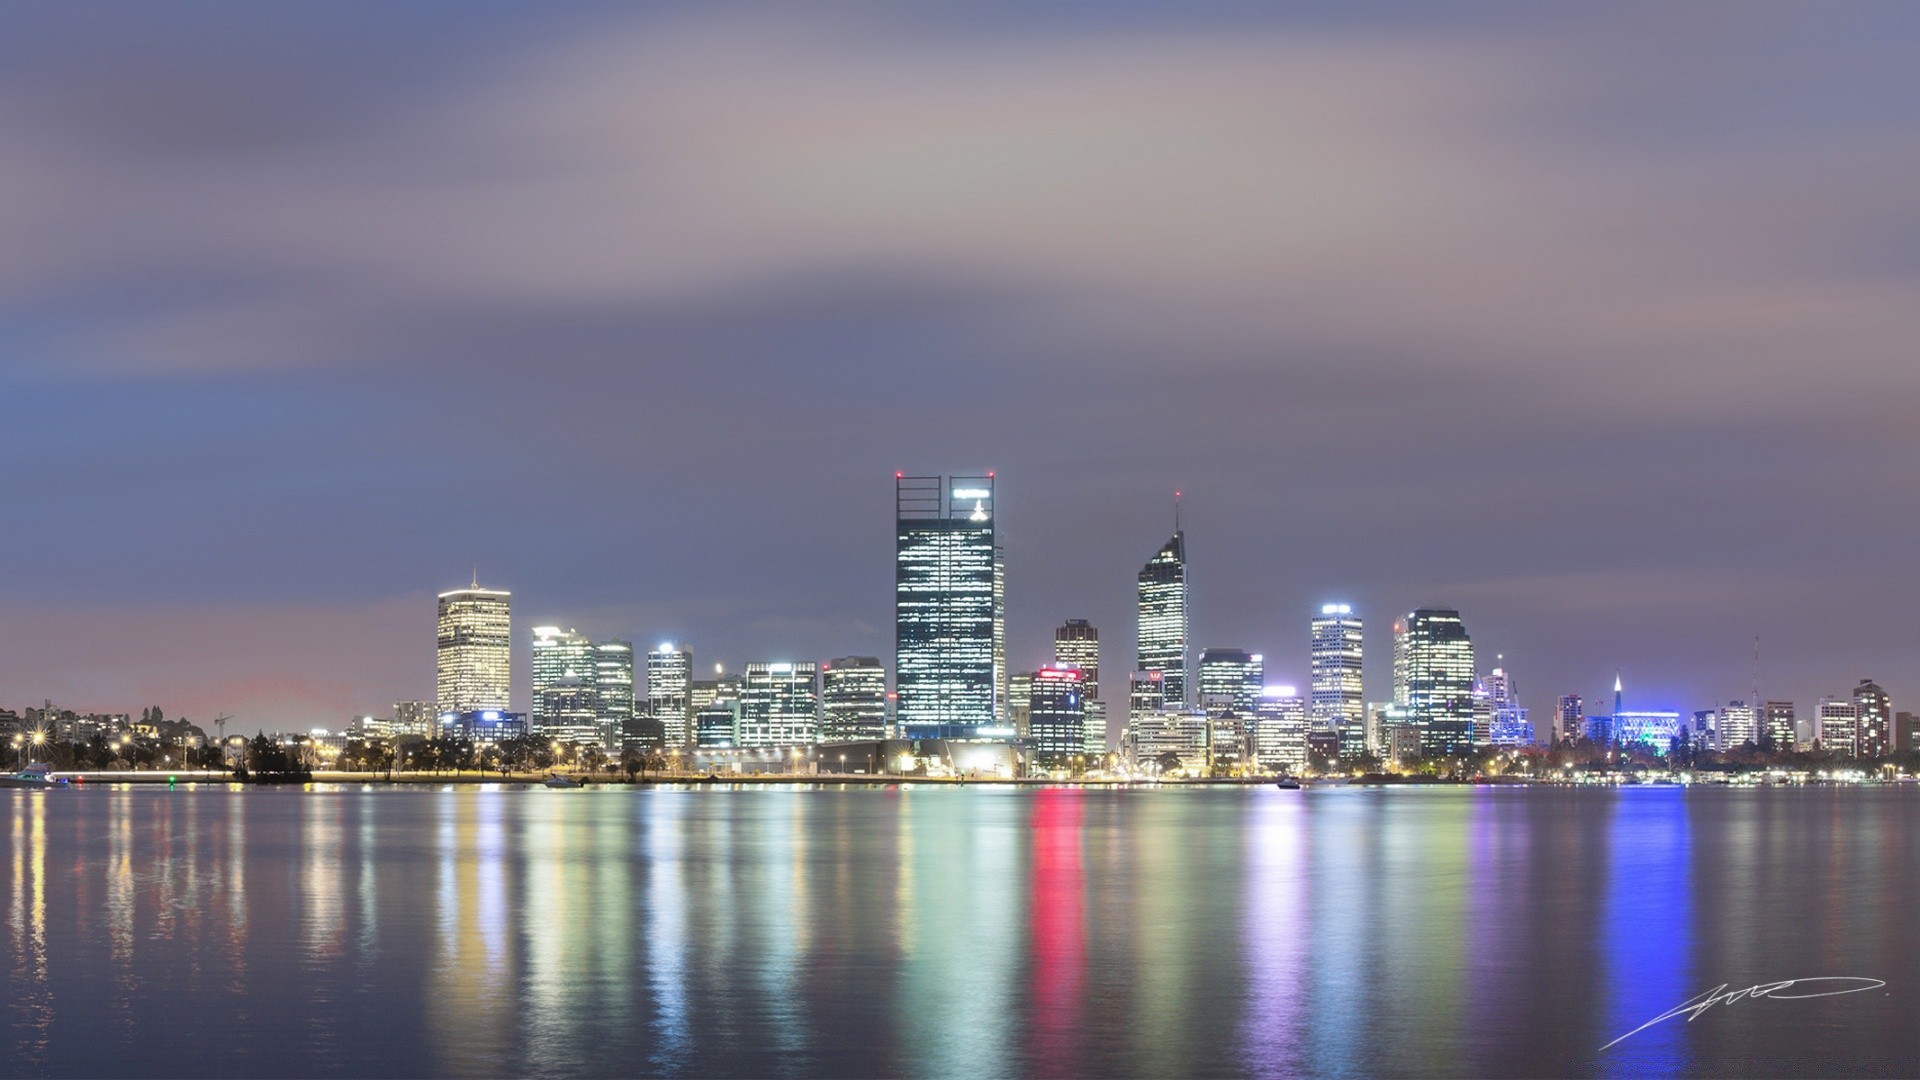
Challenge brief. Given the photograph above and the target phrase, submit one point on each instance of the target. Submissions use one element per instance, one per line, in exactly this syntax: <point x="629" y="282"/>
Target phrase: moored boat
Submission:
<point x="36" y="775"/>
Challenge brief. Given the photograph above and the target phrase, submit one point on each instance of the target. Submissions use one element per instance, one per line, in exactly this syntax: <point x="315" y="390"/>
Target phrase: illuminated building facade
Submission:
<point x="1183" y="733"/>
<point x="1736" y="726"/>
<point x="1875" y="715"/>
<point x="1162" y="626"/>
<point x="1778" y="726"/>
<point x="565" y="671"/>
<point x="670" y="691"/>
<point x="474" y="650"/>
<point x="1232" y="676"/>
<point x="1021" y="687"/>
<point x="1056" y="715"/>
<point x="1337" y="698"/>
<point x="1146" y="693"/>
<point x="780" y="705"/>
<point x="717" y="725"/>
<point x="1570" y="718"/>
<point x="414" y="718"/>
<point x="1439" y="675"/>
<point x="853" y="699"/>
<point x="949" y="607"/>
<point x="1076" y="644"/>
<point x="1836" y="724"/>
<point x="1509" y="723"/>
<point x="1280" y="725"/>
<point x="613" y="683"/>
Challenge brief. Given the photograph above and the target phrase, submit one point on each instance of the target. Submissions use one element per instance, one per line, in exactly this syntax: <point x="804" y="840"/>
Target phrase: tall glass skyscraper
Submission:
<point x="949" y="608"/>
<point x="474" y="649"/>
<point x="1077" y="644"/>
<point x="1057" y="716"/>
<point x="565" y="677"/>
<point x="1233" y="675"/>
<point x="853" y="699"/>
<point x="669" y="692"/>
<point x="1875" y="708"/>
<point x="613" y="682"/>
<point x="1163" y="617"/>
<point x="1438" y="658"/>
<point x="1337" y="698"/>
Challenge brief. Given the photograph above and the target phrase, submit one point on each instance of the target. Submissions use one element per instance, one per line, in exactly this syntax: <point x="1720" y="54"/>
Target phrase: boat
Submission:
<point x="36" y="775"/>
<point x="555" y="780"/>
<point x="1287" y="784"/>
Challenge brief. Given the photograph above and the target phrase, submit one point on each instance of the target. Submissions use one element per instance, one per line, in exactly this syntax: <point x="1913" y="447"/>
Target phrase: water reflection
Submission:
<point x="950" y="931"/>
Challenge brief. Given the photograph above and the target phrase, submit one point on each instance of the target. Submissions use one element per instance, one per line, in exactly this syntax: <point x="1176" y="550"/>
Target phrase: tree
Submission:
<point x="1168" y="762"/>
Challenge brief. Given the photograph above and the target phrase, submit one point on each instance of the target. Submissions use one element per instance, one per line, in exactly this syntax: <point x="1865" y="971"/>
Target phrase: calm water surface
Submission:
<point x="932" y="931"/>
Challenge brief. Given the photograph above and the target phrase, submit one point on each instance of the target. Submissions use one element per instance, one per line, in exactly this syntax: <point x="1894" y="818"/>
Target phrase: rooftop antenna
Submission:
<point x="476" y="575"/>
<point x="1176" y="513"/>
<point x="1756" y="675"/>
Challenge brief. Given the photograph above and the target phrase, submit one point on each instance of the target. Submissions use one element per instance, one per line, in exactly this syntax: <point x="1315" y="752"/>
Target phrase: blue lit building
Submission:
<point x="483" y="727"/>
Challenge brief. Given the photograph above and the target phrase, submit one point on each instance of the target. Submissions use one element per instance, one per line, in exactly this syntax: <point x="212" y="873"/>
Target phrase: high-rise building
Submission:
<point x="1439" y="677"/>
<point x="1837" y="727"/>
<point x="563" y="656"/>
<point x="613" y="682"/>
<point x="1778" y="726"/>
<point x="717" y="724"/>
<point x="853" y="699"/>
<point x="1056" y="715"/>
<point x="1570" y="718"/>
<point x="1280" y="727"/>
<point x="949" y="607"/>
<point x="1096" y="746"/>
<point x="1146" y="693"/>
<point x="780" y="705"/>
<point x="1338" y="699"/>
<point x="1020" y="687"/>
<point x="1077" y="644"/>
<point x="474" y="650"/>
<point x="1875" y="711"/>
<point x="1234" y="675"/>
<point x="1170" y="740"/>
<point x="1163" y="616"/>
<point x="1400" y="690"/>
<point x="670" y="691"/>
<point x="1736" y="726"/>
<point x="1509" y="724"/>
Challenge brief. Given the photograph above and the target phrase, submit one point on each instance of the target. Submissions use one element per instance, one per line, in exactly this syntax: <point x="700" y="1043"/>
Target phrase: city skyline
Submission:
<point x="1502" y="341"/>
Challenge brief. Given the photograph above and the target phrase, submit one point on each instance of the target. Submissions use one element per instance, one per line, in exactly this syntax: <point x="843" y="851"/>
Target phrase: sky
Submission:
<point x="1596" y="322"/>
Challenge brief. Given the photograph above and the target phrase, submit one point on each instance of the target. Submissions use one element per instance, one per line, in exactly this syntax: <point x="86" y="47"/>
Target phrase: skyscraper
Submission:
<point x="474" y="649"/>
<point x="1233" y="675"/>
<point x="613" y="682"/>
<point x="1875" y="711"/>
<point x="949" y="607"/>
<point x="1338" y="700"/>
<point x="1439" y="675"/>
<point x="1280" y="728"/>
<point x="1510" y="726"/>
<point x="1570" y="718"/>
<point x="1056" y="715"/>
<point x="1077" y="644"/>
<point x="563" y="657"/>
<point x="779" y="705"/>
<point x="670" y="691"/>
<point x="1736" y="726"/>
<point x="1163" y="616"/>
<point x="853" y="699"/>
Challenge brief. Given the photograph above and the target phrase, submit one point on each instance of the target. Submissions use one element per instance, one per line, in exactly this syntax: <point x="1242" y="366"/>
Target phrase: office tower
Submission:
<point x="779" y="705"/>
<point x="1706" y="730"/>
<point x="853" y="699"/>
<point x="1096" y="745"/>
<point x="1837" y="727"/>
<point x="1510" y="726"/>
<point x="474" y="650"/>
<point x="413" y="718"/>
<point x="1280" y="728"/>
<point x="613" y="681"/>
<point x="1570" y="718"/>
<point x="717" y="725"/>
<point x="670" y="691"/>
<point x="569" y="708"/>
<point x="1056" y="715"/>
<point x="1234" y="675"/>
<point x="1482" y="712"/>
<point x="1875" y="709"/>
<point x="1000" y="673"/>
<point x="1400" y="663"/>
<point x="1778" y="726"/>
<point x="1020" y="691"/>
<point x="1163" y="616"/>
<point x="1737" y="726"/>
<point x="949" y="612"/>
<point x="1173" y="739"/>
<point x="1146" y="693"/>
<point x="1439" y="680"/>
<point x="562" y="655"/>
<point x="1338" y="700"/>
<point x="1077" y="644"/>
<point x="1903" y="731"/>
